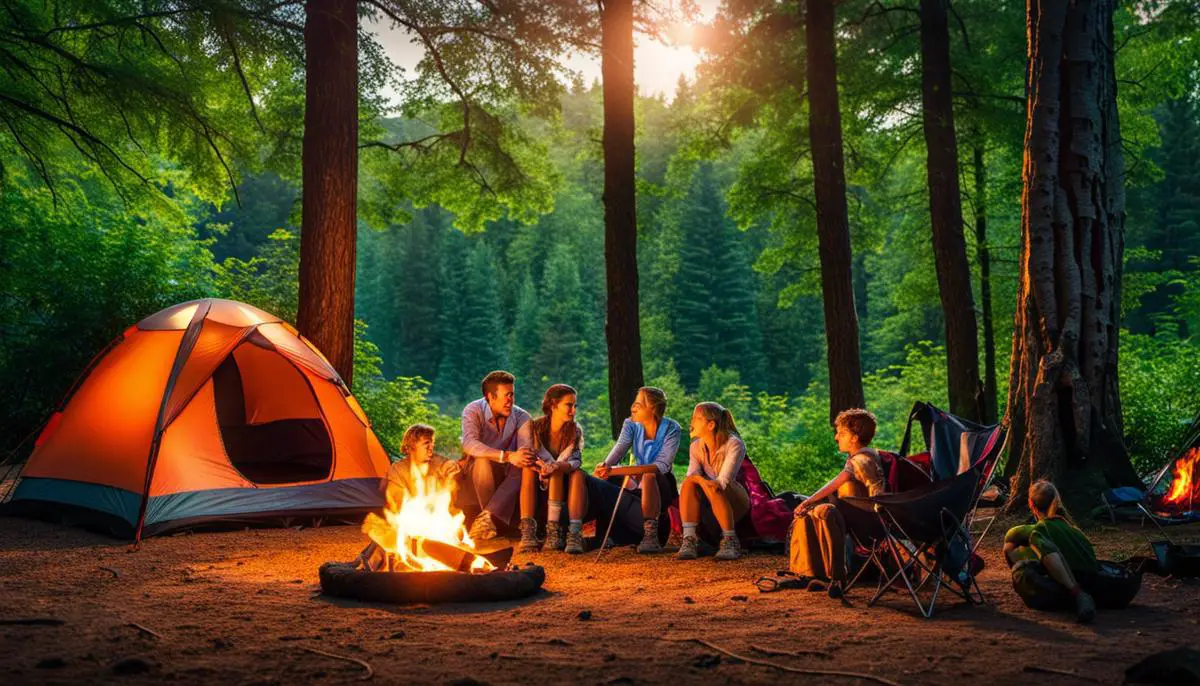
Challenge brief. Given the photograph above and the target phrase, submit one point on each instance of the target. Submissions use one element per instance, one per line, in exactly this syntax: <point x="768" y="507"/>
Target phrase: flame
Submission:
<point x="424" y="511"/>
<point x="1183" y="481"/>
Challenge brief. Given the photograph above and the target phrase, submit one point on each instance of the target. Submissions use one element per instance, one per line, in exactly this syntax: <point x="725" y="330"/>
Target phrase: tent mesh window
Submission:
<point x="270" y="420"/>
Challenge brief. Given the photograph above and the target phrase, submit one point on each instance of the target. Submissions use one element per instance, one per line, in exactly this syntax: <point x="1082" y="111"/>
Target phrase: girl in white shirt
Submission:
<point x="716" y="456"/>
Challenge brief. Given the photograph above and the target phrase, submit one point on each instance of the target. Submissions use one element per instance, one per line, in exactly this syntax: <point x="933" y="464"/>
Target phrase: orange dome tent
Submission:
<point x="208" y="411"/>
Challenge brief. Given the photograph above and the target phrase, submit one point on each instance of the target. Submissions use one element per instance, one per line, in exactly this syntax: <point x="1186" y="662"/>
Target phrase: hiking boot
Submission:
<point x="835" y="590"/>
<point x="688" y="548"/>
<point x="529" y="540"/>
<point x="1085" y="607"/>
<point x="554" y="536"/>
<point x="730" y="548"/>
<point x="649" y="542"/>
<point x="483" y="528"/>
<point x="574" y="543"/>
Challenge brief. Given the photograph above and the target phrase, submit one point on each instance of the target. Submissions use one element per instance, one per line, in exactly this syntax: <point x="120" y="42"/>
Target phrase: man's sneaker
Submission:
<point x="649" y="542"/>
<point x="688" y="548"/>
<point x="574" y="542"/>
<point x="483" y="528"/>
<point x="554" y="536"/>
<point x="1085" y="607"/>
<point x="730" y="548"/>
<point x="529" y="541"/>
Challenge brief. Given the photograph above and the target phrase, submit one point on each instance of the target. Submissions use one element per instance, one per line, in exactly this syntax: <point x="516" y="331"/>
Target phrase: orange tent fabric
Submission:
<point x="209" y="410"/>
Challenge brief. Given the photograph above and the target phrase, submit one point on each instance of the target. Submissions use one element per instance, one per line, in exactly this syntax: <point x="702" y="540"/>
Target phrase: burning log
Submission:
<point x="346" y="581"/>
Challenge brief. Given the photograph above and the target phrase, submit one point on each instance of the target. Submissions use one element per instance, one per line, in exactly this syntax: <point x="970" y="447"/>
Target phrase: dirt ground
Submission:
<point x="242" y="608"/>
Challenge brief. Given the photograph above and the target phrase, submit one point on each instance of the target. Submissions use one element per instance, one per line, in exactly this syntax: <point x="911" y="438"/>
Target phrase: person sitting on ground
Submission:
<point x="419" y="470"/>
<point x="417" y="464"/>
<point x="558" y="443"/>
<point x="818" y="541"/>
<point x="712" y="488"/>
<point x="496" y="444"/>
<point x="1052" y="547"/>
<point x="654" y="440"/>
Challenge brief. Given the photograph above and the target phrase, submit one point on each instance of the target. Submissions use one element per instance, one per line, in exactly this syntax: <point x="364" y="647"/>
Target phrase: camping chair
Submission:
<point x="956" y="445"/>
<point x="863" y="525"/>
<point x="925" y="531"/>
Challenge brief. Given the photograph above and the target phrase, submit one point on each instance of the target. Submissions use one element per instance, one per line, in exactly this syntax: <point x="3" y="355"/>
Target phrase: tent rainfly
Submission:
<point x="209" y="411"/>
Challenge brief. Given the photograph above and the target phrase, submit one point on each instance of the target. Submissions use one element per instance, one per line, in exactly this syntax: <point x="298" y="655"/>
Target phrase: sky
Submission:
<point x="656" y="67"/>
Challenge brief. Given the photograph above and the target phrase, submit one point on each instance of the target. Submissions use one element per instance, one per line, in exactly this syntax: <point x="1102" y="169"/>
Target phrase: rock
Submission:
<point x="52" y="663"/>
<point x="584" y="616"/>
<point x="687" y="599"/>
<point x="132" y="665"/>
<point x="739" y="598"/>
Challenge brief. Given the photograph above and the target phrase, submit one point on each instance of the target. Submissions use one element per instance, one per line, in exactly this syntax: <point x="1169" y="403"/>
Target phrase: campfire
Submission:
<point x="1182" y="492"/>
<point x="420" y="552"/>
<point x="424" y="532"/>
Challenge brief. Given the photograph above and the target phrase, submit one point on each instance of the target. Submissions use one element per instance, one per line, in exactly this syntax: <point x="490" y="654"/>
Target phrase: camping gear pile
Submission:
<point x="208" y="412"/>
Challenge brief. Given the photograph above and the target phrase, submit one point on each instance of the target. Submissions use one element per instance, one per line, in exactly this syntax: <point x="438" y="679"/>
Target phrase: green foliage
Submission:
<point x="1159" y="378"/>
<point x="75" y="271"/>
<point x="269" y="280"/>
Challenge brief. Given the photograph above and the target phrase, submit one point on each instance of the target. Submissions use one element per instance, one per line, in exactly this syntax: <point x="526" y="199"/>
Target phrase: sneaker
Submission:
<point x="529" y="540"/>
<point x="554" y="536"/>
<point x="1085" y="607"/>
<point x="688" y="548"/>
<point x="649" y="542"/>
<point x="483" y="528"/>
<point x="574" y="542"/>
<point x="730" y="548"/>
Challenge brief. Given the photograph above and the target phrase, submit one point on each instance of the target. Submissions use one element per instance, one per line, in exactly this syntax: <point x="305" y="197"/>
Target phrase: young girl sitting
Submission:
<point x="558" y="446"/>
<point x="1053" y="547"/>
<point x="713" y="480"/>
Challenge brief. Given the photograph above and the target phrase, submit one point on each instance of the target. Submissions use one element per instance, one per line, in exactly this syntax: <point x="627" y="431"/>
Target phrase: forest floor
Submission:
<point x="242" y="607"/>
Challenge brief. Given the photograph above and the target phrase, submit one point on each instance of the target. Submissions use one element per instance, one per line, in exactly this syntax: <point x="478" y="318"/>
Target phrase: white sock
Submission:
<point x="689" y="529"/>
<point x="576" y="526"/>
<point x="554" y="511"/>
<point x="727" y="532"/>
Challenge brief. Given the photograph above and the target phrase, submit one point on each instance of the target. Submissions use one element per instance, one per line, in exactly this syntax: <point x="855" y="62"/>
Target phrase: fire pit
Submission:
<point x="347" y="581"/>
<point x="420" y="552"/>
<point x="1181" y="497"/>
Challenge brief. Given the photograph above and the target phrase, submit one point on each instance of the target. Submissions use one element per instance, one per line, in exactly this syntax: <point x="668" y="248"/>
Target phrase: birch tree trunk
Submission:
<point x="1064" y="401"/>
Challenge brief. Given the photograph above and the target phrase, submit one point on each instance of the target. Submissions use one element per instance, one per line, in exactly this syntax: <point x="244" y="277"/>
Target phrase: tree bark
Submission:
<point x="983" y="255"/>
<point x="833" y="225"/>
<point x="945" y="211"/>
<point x="328" y="232"/>
<point x="1064" y="401"/>
<point x="622" y="327"/>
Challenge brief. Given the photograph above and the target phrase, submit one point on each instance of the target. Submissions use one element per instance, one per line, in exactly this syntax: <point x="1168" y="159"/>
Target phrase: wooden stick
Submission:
<point x="794" y="670"/>
<point x="792" y="653"/>
<point x="145" y="630"/>
<point x="632" y="470"/>
<point x="370" y="672"/>
<point x="1062" y="672"/>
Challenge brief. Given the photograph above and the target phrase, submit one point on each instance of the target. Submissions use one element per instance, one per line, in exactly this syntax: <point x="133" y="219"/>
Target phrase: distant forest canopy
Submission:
<point x="452" y="282"/>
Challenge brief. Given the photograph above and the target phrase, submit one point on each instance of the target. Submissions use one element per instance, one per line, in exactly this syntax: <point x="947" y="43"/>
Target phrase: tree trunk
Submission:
<point x="1063" y="401"/>
<point x="622" y="329"/>
<point x="983" y="254"/>
<point x="330" y="180"/>
<point x="833" y="226"/>
<point x="945" y="212"/>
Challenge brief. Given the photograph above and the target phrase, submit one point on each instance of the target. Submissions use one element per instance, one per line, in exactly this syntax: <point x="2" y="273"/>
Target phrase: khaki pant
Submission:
<point x="818" y="544"/>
